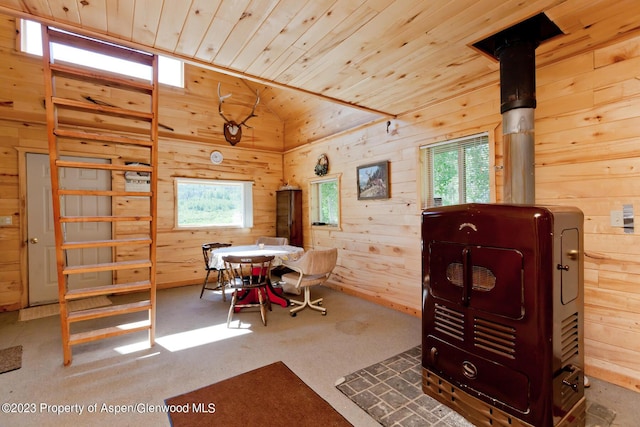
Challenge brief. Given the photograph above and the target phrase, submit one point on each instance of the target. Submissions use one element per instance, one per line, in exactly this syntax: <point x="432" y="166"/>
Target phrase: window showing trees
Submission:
<point x="456" y="171"/>
<point x="213" y="203"/>
<point x="325" y="202"/>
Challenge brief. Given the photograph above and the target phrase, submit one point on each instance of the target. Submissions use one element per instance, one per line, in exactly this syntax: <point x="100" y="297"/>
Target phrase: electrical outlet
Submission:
<point x="6" y="220"/>
<point x="617" y="219"/>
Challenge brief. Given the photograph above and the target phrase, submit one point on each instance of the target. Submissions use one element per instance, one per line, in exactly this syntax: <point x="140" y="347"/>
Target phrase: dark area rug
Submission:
<point x="10" y="359"/>
<point x="391" y="392"/>
<point x="269" y="396"/>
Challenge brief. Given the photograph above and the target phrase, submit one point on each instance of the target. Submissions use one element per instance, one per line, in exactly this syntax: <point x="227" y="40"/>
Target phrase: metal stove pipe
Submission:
<point x="517" y="105"/>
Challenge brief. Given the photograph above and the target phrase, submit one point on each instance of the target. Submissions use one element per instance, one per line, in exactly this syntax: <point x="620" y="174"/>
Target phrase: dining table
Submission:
<point x="279" y="252"/>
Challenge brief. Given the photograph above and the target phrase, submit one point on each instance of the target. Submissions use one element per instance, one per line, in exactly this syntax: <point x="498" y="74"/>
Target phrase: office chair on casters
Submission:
<point x="311" y="269"/>
<point x="220" y="284"/>
<point x="248" y="276"/>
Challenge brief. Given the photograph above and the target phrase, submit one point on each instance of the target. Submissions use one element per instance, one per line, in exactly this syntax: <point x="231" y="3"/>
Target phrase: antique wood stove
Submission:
<point x="502" y="319"/>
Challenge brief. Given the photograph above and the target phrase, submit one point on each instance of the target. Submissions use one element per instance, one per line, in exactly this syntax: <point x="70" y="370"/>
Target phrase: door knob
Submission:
<point x="33" y="240"/>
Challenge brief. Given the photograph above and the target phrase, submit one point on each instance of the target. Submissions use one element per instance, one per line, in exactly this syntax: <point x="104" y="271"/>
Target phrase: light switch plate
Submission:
<point x="6" y="220"/>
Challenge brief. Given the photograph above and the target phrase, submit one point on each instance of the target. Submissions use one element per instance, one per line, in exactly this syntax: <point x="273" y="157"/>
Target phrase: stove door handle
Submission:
<point x="467" y="276"/>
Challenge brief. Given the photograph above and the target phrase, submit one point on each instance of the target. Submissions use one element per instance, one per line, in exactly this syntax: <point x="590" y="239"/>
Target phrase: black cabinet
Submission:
<point x="289" y="216"/>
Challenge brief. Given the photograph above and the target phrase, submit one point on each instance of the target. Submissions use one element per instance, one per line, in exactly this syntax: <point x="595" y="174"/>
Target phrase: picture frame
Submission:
<point x="373" y="181"/>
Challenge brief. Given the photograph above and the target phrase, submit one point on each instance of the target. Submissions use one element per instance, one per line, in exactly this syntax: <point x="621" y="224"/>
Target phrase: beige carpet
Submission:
<point x="54" y="309"/>
<point x="10" y="359"/>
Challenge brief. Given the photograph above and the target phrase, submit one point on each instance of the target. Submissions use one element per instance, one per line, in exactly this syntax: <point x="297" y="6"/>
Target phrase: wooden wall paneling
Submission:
<point x="585" y="157"/>
<point x="182" y="153"/>
<point x="195" y="113"/>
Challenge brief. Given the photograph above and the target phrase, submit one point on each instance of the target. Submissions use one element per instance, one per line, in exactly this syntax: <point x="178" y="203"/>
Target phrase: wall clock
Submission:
<point x="216" y="157"/>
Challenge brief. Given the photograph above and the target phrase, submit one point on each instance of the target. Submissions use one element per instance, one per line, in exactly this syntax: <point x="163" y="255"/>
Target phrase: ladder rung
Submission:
<point x="114" y="331"/>
<point x="106" y="193"/>
<point x="107" y="266"/>
<point x="66" y="133"/>
<point x="106" y="166"/>
<point x="112" y="310"/>
<point x="102" y="109"/>
<point x="109" y="80"/>
<point x="107" y="243"/>
<point x="107" y="290"/>
<point x="104" y="218"/>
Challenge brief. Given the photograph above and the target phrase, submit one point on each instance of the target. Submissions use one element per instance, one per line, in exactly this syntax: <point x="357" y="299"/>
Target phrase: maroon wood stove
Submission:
<point x="502" y="320"/>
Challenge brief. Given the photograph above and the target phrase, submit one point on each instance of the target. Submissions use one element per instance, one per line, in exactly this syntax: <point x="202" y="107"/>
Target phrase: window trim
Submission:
<point x="247" y="195"/>
<point x="313" y="209"/>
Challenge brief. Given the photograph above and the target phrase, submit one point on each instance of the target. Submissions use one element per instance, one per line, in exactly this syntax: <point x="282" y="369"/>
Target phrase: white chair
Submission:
<point x="311" y="269"/>
<point x="272" y="241"/>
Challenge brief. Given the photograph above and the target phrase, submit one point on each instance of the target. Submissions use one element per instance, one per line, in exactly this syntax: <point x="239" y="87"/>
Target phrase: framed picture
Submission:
<point x="373" y="181"/>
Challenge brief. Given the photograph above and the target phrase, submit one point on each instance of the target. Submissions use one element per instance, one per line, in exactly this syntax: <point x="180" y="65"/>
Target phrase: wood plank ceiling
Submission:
<point x="387" y="56"/>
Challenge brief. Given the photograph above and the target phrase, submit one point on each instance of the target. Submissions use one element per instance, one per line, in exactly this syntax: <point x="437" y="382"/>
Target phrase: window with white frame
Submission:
<point x="324" y="197"/>
<point x="213" y="203"/>
<point x="170" y="71"/>
<point x="456" y="171"/>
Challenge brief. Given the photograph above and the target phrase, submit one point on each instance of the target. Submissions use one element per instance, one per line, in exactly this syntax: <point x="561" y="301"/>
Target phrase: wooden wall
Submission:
<point x="587" y="155"/>
<point x="191" y="130"/>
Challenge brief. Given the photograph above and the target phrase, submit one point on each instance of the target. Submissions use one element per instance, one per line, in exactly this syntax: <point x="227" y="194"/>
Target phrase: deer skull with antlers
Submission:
<point x="232" y="130"/>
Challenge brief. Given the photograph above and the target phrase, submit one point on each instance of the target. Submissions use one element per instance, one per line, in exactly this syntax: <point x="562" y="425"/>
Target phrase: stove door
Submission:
<point x="483" y="278"/>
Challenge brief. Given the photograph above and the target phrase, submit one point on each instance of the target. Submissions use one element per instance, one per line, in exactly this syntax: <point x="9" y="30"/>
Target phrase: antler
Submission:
<point x="253" y="110"/>
<point x="222" y="98"/>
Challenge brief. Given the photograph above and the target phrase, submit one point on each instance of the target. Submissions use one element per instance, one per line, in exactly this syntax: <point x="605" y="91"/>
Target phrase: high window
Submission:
<point x="456" y="171"/>
<point x="324" y="195"/>
<point x="213" y="203"/>
<point x="170" y="71"/>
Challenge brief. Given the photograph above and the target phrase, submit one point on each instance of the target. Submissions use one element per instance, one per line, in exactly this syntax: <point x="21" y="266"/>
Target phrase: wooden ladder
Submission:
<point x="86" y="125"/>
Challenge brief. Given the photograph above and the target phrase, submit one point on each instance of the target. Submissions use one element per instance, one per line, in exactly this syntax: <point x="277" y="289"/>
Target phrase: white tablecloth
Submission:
<point x="281" y="253"/>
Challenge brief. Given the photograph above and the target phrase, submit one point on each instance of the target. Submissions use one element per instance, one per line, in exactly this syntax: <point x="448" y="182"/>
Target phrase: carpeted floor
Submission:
<point x="268" y="396"/>
<point x="47" y="310"/>
<point x="391" y="392"/>
<point x="10" y="359"/>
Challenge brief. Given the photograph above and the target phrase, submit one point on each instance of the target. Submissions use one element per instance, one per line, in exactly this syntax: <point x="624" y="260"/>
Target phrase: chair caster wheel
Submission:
<point x="324" y="313"/>
<point x="293" y="314"/>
